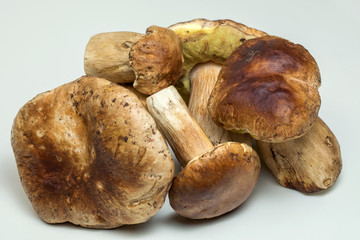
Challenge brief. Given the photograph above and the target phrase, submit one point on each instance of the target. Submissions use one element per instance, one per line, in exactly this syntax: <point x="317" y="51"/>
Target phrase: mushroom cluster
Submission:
<point x="224" y="96"/>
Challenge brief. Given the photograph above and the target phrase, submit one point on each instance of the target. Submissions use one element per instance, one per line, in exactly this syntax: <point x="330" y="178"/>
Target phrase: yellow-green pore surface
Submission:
<point x="204" y="40"/>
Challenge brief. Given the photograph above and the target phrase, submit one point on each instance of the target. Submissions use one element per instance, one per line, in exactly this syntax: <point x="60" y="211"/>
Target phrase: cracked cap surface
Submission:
<point x="89" y="153"/>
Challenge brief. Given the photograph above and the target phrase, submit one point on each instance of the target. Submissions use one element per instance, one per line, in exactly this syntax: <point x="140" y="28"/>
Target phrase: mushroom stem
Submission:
<point x="203" y="78"/>
<point x="309" y="164"/>
<point x="215" y="180"/>
<point x="107" y="56"/>
<point x="183" y="133"/>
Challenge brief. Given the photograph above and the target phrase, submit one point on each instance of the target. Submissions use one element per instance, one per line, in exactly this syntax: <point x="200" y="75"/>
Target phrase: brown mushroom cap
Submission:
<point x="89" y="153"/>
<point x="157" y="60"/>
<point x="268" y="87"/>
<point x="152" y="61"/>
<point x="215" y="182"/>
<point x="142" y="97"/>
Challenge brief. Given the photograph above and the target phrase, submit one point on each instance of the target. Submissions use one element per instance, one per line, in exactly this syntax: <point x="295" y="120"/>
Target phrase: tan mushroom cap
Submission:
<point x="142" y="97"/>
<point x="268" y="87"/>
<point x="157" y="60"/>
<point x="215" y="182"/>
<point x="89" y="153"/>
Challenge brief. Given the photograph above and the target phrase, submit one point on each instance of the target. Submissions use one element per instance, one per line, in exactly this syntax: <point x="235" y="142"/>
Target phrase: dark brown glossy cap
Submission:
<point x="157" y="60"/>
<point x="215" y="182"/>
<point x="268" y="87"/>
<point x="89" y="153"/>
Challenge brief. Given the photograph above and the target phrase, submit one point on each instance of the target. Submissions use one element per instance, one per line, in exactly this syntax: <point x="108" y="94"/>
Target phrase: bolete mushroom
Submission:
<point x="268" y="87"/>
<point x="203" y="78"/>
<point x="309" y="164"/>
<point x="206" y="40"/>
<point x="89" y="153"/>
<point x="152" y="61"/>
<point x="216" y="179"/>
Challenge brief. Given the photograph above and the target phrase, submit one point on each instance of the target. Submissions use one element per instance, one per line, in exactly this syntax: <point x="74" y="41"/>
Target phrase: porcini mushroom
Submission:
<point x="309" y="164"/>
<point x="216" y="179"/>
<point x="152" y="61"/>
<point x="89" y="153"/>
<point x="203" y="78"/>
<point x="206" y="40"/>
<point x="268" y="87"/>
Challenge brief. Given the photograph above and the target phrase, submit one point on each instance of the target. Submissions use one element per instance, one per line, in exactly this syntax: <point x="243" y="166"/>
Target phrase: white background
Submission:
<point x="42" y="45"/>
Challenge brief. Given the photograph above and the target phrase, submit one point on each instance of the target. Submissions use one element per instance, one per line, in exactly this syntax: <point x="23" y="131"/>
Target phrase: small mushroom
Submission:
<point x="308" y="164"/>
<point x="268" y="87"/>
<point x="89" y="153"/>
<point x="203" y="78"/>
<point x="215" y="180"/>
<point x="206" y="40"/>
<point x="152" y="61"/>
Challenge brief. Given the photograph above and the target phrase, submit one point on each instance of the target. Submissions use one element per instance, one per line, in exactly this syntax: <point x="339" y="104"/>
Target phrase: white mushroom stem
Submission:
<point x="181" y="130"/>
<point x="310" y="163"/>
<point x="107" y="56"/>
<point x="203" y="78"/>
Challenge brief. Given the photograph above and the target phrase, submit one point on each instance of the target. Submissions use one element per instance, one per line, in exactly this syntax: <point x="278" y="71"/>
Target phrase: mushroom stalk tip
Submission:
<point x="183" y="133"/>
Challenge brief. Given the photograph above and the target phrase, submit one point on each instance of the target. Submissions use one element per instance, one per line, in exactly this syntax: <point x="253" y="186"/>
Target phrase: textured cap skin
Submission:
<point x="89" y="153"/>
<point x="268" y="87"/>
<point x="142" y="97"/>
<point x="157" y="60"/>
<point x="215" y="182"/>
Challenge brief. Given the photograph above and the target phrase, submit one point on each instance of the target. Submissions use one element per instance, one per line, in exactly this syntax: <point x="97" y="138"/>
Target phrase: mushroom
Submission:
<point x="308" y="164"/>
<point x="205" y="40"/>
<point x="152" y="61"/>
<point x="203" y="78"/>
<point x="89" y="153"/>
<point x="215" y="180"/>
<point x="268" y="87"/>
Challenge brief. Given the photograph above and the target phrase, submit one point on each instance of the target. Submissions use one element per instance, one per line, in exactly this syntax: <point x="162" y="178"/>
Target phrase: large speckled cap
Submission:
<point x="268" y="87"/>
<point x="216" y="182"/>
<point x="89" y="153"/>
